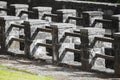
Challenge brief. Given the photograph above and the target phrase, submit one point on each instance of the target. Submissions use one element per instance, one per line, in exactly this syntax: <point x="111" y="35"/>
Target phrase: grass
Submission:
<point x="7" y="73"/>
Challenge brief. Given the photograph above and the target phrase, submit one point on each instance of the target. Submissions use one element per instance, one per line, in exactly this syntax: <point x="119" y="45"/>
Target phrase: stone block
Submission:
<point x="40" y="38"/>
<point x="65" y="27"/>
<point x="99" y="46"/>
<point x="93" y="31"/>
<point x="42" y="11"/>
<point x="3" y="4"/>
<point x="36" y="23"/>
<point x="68" y="43"/>
<point x="19" y="8"/>
<point x="90" y="16"/>
<point x="67" y="13"/>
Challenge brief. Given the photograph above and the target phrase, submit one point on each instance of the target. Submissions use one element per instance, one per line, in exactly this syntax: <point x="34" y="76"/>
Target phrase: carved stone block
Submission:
<point x="42" y="11"/>
<point x="67" y="13"/>
<point x="19" y="8"/>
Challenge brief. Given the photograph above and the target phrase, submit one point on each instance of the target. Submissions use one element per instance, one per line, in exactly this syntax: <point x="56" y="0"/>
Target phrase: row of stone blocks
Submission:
<point x="17" y="8"/>
<point x="62" y="28"/>
<point x="67" y="12"/>
<point x="88" y="35"/>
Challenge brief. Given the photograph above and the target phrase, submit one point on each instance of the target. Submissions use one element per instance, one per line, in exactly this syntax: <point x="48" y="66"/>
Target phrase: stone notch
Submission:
<point x="68" y="43"/>
<point x="39" y="38"/>
<point x="43" y="10"/>
<point x="90" y="16"/>
<point x="3" y="4"/>
<point x="14" y="33"/>
<point x="88" y="35"/>
<point x="67" y="13"/>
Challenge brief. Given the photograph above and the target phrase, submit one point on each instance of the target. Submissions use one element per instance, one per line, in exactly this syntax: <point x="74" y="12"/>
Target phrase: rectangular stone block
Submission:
<point x="98" y="47"/>
<point x="19" y="8"/>
<point x="40" y="38"/>
<point x="42" y="11"/>
<point x="36" y="23"/>
<point x="68" y="43"/>
<point x="67" y="13"/>
<point x="93" y="31"/>
<point x="90" y="16"/>
<point x="65" y="27"/>
<point x="14" y="32"/>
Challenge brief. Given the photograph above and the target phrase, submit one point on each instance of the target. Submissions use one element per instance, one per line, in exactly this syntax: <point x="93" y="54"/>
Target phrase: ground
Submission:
<point x="46" y="69"/>
<point x="7" y="73"/>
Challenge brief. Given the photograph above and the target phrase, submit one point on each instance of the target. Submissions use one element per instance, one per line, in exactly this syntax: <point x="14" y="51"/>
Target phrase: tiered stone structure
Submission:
<point x="87" y="35"/>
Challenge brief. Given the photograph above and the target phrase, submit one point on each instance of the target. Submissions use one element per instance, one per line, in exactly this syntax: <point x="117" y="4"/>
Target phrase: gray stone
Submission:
<point x="42" y="11"/>
<point x="92" y="15"/>
<point x="19" y="8"/>
<point x="65" y="27"/>
<point x="3" y="4"/>
<point x="99" y="46"/>
<point x="68" y="43"/>
<point x="36" y="23"/>
<point x="67" y="13"/>
<point x="14" y="32"/>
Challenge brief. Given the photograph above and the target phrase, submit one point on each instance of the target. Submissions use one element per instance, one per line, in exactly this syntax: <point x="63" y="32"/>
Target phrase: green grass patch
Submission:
<point x="7" y="73"/>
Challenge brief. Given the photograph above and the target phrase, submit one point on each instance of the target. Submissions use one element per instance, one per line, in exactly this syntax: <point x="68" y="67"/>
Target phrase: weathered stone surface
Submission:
<point x="99" y="47"/>
<point x="3" y="4"/>
<point x="19" y="8"/>
<point x="41" y="51"/>
<point x="65" y="27"/>
<point x="62" y="28"/>
<point x="69" y="57"/>
<point x="36" y="23"/>
<point x="40" y="38"/>
<point x="68" y="43"/>
<point x="92" y="15"/>
<point x="14" y="32"/>
<point x="44" y="10"/>
<point x="93" y="31"/>
<point x="67" y="13"/>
